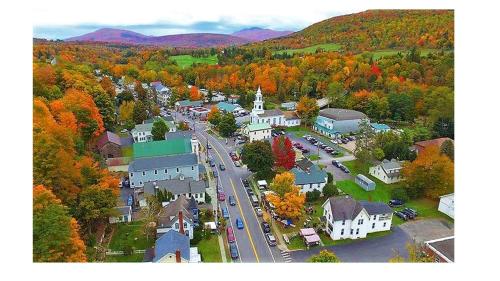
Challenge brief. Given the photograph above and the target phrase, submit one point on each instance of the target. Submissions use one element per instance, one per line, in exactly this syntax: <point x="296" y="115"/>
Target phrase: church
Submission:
<point x="274" y="117"/>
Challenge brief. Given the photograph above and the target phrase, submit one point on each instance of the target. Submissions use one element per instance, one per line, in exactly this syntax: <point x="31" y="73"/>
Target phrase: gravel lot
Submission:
<point x="429" y="229"/>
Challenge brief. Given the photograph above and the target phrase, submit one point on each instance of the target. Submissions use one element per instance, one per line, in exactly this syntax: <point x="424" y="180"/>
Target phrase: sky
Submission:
<point x="54" y="19"/>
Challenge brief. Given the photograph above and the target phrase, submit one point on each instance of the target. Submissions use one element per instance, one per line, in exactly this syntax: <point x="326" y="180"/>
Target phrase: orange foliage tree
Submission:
<point x="194" y="94"/>
<point x="287" y="200"/>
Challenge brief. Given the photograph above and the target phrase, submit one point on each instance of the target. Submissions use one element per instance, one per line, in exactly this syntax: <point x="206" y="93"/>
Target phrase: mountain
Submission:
<point x="193" y="40"/>
<point x="375" y="30"/>
<point x="259" y="34"/>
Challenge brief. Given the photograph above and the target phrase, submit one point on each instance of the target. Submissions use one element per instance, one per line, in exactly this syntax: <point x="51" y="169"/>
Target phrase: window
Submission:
<point x="176" y="225"/>
<point x="140" y="183"/>
<point x="166" y="171"/>
<point x="385" y="224"/>
<point x="143" y="173"/>
<point x="352" y="230"/>
<point x="177" y="170"/>
<point x="343" y="222"/>
<point x="131" y="174"/>
<point x="342" y="232"/>
<point x="185" y="225"/>
<point x="196" y="195"/>
<point x="357" y="231"/>
<point x="192" y="168"/>
<point x="373" y="225"/>
<point x="156" y="172"/>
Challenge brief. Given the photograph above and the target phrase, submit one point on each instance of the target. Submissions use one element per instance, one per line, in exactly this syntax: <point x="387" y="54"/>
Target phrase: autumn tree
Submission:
<point x="307" y="109"/>
<point x="95" y="203"/>
<point x="126" y="115"/>
<point x="140" y="114"/>
<point x="106" y="108"/>
<point x="415" y="254"/>
<point x="430" y="175"/>
<point x="290" y="205"/>
<point x="365" y="143"/>
<point x="108" y="86"/>
<point x="150" y="215"/>
<point x="335" y="94"/>
<point x="284" y="155"/>
<point x="227" y="125"/>
<point x="258" y="157"/>
<point x="214" y="116"/>
<point x="194" y="94"/>
<point x="159" y="130"/>
<point x="56" y="235"/>
<point x="325" y="256"/>
<point x="448" y="149"/>
<point x="283" y="183"/>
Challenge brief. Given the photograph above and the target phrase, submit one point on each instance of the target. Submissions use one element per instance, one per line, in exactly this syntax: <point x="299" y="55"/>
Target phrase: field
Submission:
<point x="209" y="249"/>
<point x="130" y="234"/>
<point x="384" y="53"/>
<point x="311" y="49"/>
<point x="188" y="60"/>
<point x="131" y="258"/>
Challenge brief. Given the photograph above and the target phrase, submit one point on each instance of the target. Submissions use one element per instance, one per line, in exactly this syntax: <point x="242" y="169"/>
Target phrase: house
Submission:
<point x="233" y="98"/>
<point x="180" y="215"/>
<point x="380" y="128"/>
<point x="388" y="171"/>
<point x="217" y="97"/>
<point x="124" y="214"/>
<point x="228" y="107"/>
<point x="173" y="247"/>
<point x="447" y="205"/>
<point x="346" y="218"/>
<point x="291" y="119"/>
<point x="289" y="105"/>
<point x="365" y="183"/>
<point x="255" y="132"/>
<point x="170" y="146"/>
<point x="308" y="176"/>
<point x="142" y="132"/>
<point x="273" y="117"/>
<point x="169" y="120"/>
<point x="332" y="122"/>
<point x="422" y="145"/>
<point x="178" y="187"/>
<point x="108" y="145"/>
<point x="185" y="105"/>
<point x="442" y="249"/>
<point x="163" y="93"/>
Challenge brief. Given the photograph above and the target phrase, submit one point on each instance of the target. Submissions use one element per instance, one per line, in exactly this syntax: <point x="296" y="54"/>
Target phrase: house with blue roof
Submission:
<point x="163" y="93"/>
<point x="380" y="128"/>
<point x="173" y="247"/>
<point x="308" y="176"/>
<point x="332" y="122"/>
<point x="228" y="107"/>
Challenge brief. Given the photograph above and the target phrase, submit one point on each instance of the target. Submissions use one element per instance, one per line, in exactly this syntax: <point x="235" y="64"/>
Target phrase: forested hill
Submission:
<point x="376" y="29"/>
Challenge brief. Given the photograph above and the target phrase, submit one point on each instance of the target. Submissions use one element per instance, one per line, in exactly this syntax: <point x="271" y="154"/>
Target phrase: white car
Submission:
<point x="124" y="131"/>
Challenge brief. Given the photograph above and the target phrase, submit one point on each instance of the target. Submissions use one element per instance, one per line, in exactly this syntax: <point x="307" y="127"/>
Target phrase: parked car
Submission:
<point x="336" y="163"/>
<point x="124" y="131"/>
<point x="209" y="146"/>
<point x="245" y="183"/>
<point x="265" y="227"/>
<point x="225" y="213"/>
<point x="234" y="251"/>
<point x="413" y="211"/>
<point x="408" y="214"/>
<point x="344" y="169"/>
<point x="221" y="196"/>
<point x="239" y="223"/>
<point x="259" y="212"/>
<point x="270" y="239"/>
<point x="344" y="141"/>
<point x="250" y="192"/>
<point x="255" y="200"/>
<point x="231" y="200"/>
<point x="334" y="152"/>
<point x="212" y="163"/>
<point x="234" y="157"/>
<point x="401" y="215"/>
<point x="237" y="164"/>
<point x="305" y="150"/>
<point x="395" y="203"/>
<point x="216" y="174"/>
<point x="222" y="167"/>
<point x="230" y="234"/>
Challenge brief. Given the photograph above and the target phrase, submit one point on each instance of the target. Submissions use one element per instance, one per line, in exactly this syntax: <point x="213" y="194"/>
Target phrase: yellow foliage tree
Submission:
<point x="291" y="203"/>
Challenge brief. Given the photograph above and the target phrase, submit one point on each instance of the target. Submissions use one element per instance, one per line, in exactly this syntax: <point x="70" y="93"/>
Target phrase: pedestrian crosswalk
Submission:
<point x="286" y="256"/>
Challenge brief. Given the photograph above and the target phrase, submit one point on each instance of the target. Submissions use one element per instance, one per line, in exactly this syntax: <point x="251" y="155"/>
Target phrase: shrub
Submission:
<point x="330" y="190"/>
<point x="400" y="193"/>
<point x="128" y="250"/>
<point x="313" y="195"/>
<point x="330" y="177"/>
<point x="208" y="199"/>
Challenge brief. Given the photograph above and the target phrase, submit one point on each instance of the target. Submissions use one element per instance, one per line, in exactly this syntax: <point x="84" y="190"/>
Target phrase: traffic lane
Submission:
<point x="250" y="219"/>
<point x="230" y="223"/>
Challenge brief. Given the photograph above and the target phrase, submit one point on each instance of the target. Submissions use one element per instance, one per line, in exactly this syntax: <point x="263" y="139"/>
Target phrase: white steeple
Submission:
<point x="258" y="104"/>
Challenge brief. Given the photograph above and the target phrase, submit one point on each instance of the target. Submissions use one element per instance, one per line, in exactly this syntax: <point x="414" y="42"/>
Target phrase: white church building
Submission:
<point x="273" y="117"/>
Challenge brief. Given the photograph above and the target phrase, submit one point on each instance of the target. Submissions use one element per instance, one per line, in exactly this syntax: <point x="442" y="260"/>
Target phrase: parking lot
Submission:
<point x="425" y="230"/>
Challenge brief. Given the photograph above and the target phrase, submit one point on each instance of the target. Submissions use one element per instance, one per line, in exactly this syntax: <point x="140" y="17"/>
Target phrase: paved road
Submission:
<point x="372" y="250"/>
<point x="251" y="242"/>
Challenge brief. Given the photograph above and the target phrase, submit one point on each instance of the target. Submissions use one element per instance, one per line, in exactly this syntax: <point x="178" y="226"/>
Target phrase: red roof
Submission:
<point x="421" y="145"/>
<point x="108" y="137"/>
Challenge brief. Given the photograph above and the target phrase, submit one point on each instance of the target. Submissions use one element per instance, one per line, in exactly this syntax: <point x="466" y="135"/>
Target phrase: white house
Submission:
<point x="347" y="218"/>
<point x="309" y="177"/>
<point x="273" y="117"/>
<point x="142" y="132"/>
<point x="124" y="214"/>
<point x="447" y="205"/>
<point x="388" y="171"/>
<point x="255" y="132"/>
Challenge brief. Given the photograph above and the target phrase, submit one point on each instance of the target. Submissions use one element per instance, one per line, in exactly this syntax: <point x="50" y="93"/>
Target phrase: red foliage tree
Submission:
<point x="284" y="155"/>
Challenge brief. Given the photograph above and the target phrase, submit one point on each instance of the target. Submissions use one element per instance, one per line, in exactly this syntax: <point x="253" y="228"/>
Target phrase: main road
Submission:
<point x="251" y="242"/>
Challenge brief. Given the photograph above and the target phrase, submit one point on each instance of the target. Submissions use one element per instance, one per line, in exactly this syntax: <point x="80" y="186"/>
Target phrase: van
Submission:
<point x="255" y="200"/>
<point x="230" y="235"/>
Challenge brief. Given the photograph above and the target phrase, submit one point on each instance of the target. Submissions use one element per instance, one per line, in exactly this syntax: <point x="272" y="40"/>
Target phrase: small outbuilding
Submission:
<point x="365" y="183"/>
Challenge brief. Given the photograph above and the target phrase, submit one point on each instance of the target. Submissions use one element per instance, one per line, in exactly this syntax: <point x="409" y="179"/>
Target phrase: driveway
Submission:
<point x="379" y="249"/>
<point x="429" y="229"/>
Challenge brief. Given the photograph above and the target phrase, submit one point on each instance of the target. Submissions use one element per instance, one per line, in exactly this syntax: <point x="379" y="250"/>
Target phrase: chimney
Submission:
<point x="181" y="223"/>
<point x="177" y="256"/>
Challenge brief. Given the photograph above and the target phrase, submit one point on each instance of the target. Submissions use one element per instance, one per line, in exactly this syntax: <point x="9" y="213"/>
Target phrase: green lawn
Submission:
<point x="311" y="49"/>
<point x="188" y="60"/>
<point x="130" y="234"/>
<point x="131" y="258"/>
<point x="209" y="249"/>
<point x="388" y="52"/>
<point x="314" y="157"/>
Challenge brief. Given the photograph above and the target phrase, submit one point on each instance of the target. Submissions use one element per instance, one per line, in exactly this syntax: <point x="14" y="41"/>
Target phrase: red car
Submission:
<point x="230" y="235"/>
<point x="222" y="196"/>
<point x="234" y="157"/>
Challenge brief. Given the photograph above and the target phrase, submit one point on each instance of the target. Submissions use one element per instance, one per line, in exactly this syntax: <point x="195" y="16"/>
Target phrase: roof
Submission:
<point x="169" y="243"/>
<point x="168" y="214"/>
<point x="312" y="238"/>
<point x="147" y="127"/>
<point x="307" y="231"/>
<point x="340" y="114"/>
<point x="176" y="186"/>
<point x="162" y="148"/>
<point x="364" y="178"/>
<point x="189" y="103"/>
<point x="313" y="175"/>
<point x="179" y="134"/>
<point x="290" y="103"/>
<point x="447" y="195"/>
<point x="162" y="162"/>
<point x="304" y="164"/>
<point x="376" y="208"/>
<point x="344" y="208"/>
<point x="228" y="107"/>
<point x="108" y="137"/>
<point x="428" y="143"/>
<point x="123" y="210"/>
<point x="380" y="127"/>
<point x="291" y="115"/>
<point x="271" y="112"/>
<point x="391" y="168"/>
<point x="444" y="247"/>
<point x="167" y="118"/>
<point x="258" y="127"/>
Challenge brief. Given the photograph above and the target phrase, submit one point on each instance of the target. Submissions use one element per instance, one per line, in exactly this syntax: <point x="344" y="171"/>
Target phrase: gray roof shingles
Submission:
<point x="376" y="208"/>
<point x="176" y="186"/>
<point x="340" y="114"/>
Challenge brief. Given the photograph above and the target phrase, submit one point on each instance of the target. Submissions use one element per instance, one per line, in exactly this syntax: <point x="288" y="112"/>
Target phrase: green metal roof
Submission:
<point x="258" y="127"/>
<point x="162" y="148"/>
<point x="228" y="107"/>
